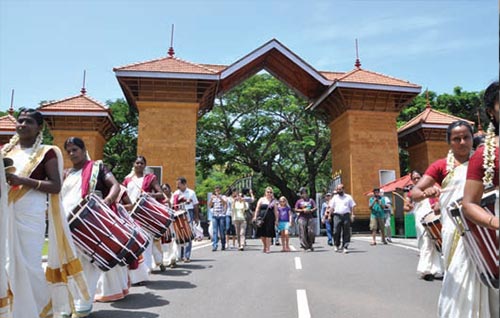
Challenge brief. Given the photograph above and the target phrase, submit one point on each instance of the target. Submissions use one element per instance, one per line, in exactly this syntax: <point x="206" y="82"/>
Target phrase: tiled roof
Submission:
<point x="171" y="65"/>
<point x="8" y="123"/>
<point x="360" y="75"/>
<point x="76" y="103"/>
<point x="432" y="117"/>
<point x="394" y="185"/>
<point x="215" y="67"/>
<point x="332" y="75"/>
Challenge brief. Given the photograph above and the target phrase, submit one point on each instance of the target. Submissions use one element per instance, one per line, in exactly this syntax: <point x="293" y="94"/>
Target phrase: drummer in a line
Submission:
<point x="449" y="172"/>
<point x="86" y="177"/>
<point x="139" y="182"/>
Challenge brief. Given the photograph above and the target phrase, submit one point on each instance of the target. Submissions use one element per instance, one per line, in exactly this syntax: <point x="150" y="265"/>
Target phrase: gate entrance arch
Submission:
<point x="170" y="94"/>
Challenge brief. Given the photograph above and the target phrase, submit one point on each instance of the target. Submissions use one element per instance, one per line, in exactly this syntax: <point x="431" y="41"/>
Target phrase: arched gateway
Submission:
<point x="170" y="94"/>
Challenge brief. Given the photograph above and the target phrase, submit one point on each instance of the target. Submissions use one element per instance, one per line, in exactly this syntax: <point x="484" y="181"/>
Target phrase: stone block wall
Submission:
<point x="425" y="153"/>
<point x="362" y="144"/>
<point x="167" y="138"/>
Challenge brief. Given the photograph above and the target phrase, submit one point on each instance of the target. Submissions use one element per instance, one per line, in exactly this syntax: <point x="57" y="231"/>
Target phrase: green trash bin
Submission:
<point x="393" y="225"/>
<point x="410" y="231"/>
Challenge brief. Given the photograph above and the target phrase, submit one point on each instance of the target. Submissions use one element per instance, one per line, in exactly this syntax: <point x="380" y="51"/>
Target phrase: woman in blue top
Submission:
<point x="285" y="220"/>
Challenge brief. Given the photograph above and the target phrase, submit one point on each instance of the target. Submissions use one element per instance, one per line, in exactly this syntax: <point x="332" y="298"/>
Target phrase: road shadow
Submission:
<point x="192" y="266"/>
<point x="177" y="272"/>
<point x="140" y="301"/>
<point x="355" y="252"/>
<point x="169" y="284"/>
<point x="121" y="314"/>
<point x="197" y="260"/>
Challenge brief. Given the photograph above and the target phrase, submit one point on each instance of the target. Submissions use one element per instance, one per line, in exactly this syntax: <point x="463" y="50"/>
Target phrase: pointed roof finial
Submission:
<point x="83" y="90"/>
<point x="428" y="104"/>
<point x="171" y="49"/>
<point x="358" y="63"/>
<point x="11" y="109"/>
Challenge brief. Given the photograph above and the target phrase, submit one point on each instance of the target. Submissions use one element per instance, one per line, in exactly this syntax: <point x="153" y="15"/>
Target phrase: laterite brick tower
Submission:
<point x="363" y="107"/>
<point x="424" y="136"/>
<point x="79" y="116"/>
<point x="171" y="94"/>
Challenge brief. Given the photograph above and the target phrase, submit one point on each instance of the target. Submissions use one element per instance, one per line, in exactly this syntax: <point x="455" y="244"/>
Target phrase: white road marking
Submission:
<point x="201" y="246"/>
<point x="293" y="248"/>
<point x="298" y="263"/>
<point x="302" y="305"/>
<point x="368" y="239"/>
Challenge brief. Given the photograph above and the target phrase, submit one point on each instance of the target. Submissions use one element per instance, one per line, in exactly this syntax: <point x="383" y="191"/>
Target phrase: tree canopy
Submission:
<point x="262" y="126"/>
<point x="121" y="150"/>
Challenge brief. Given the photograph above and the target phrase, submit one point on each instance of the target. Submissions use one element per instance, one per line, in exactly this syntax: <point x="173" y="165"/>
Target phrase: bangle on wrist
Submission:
<point x="38" y="184"/>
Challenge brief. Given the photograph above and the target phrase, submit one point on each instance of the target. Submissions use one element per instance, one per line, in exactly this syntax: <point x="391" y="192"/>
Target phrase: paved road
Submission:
<point x="370" y="281"/>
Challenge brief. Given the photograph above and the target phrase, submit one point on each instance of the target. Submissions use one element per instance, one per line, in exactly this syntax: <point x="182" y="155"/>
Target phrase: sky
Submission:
<point x="45" y="45"/>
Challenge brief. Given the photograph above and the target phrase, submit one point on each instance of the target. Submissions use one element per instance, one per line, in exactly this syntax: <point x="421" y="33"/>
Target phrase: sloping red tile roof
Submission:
<point x="8" y="123"/>
<point x="432" y="117"/>
<point x="360" y="75"/>
<point x="171" y="65"/>
<point x="332" y="75"/>
<point x="75" y="104"/>
<point x="394" y="185"/>
<point x="216" y="67"/>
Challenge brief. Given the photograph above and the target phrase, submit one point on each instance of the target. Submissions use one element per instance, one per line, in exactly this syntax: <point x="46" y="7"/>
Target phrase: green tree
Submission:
<point x="120" y="151"/>
<point x="262" y="125"/>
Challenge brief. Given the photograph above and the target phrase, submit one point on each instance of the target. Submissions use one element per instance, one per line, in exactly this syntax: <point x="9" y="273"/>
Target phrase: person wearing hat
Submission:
<point x="326" y="218"/>
<point x="306" y="208"/>
<point x="377" y="204"/>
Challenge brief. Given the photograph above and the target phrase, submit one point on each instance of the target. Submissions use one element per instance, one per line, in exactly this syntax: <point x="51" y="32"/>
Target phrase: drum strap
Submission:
<point x="94" y="174"/>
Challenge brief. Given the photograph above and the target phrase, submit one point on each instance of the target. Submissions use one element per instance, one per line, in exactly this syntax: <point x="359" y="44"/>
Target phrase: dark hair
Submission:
<point x="33" y="113"/>
<point x="142" y="158"/>
<point x="376" y="189"/>
<point x="456" y="124"/>
<point x="245" y="191"/>
<point x="491" y="95"/>
<point x="166" y="185"/>
<point x="415" y="171"/>
<point x="303" y="190"/>
<point x="182" y="180"/>
<point x="75" y="141"/>
<point x="477" y="141"/>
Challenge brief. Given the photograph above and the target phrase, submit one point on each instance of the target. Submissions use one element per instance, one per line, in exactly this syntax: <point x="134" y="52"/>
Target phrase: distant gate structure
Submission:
<point x="170" y="94"/>
<point x="240" y="184"/>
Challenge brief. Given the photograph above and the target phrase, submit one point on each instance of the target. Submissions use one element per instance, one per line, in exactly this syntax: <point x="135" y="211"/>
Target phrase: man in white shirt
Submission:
<point x="341" y="206"/>
<point x="187" y="196"/>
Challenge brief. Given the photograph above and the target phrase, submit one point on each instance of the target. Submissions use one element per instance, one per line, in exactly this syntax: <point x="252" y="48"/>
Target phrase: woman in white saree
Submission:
<point x="429" y="263"/>
<point x="86" y="177"/>
<point x="482" y="175"/>
<point x="37" y="177"/>
<point x="461" y="289"/>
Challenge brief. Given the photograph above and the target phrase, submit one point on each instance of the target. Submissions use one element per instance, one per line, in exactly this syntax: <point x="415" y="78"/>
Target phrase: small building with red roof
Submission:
<point x="7" y="127"/>
<point x="424" y="137"/>
<point x="79" y="116"/>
